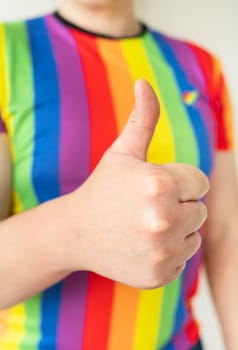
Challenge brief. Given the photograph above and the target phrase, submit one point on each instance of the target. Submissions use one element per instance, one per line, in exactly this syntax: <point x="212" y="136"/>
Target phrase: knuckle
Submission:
<point x="152" y="186"/>
<point x="165" y="183"/>
<point x="159" y="225"/>
<point x="194" y="242"/>
<point x="161" y="184"/>
<point x="165" y="253"/>
<point x="160" y="220"/>
<point x="168" y="252"/>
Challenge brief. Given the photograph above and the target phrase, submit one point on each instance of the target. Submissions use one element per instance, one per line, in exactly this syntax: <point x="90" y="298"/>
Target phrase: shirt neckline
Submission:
<point x="67" y="23"/>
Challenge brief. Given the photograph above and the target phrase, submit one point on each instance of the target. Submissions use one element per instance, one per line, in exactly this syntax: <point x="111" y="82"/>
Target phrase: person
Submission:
<point x="102" y="257"/>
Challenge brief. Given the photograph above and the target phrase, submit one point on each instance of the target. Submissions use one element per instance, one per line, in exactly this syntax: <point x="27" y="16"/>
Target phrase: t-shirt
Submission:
<point x="65" y="95"/>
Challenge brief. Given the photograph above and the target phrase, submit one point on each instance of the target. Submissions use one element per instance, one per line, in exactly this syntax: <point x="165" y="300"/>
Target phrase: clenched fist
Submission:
<point x="137" y="222"/>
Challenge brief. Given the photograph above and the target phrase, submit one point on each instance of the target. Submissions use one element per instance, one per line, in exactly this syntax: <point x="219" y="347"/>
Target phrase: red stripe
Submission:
<point x="102" y="115"/>
<point x="192" y="331"/>
<point x="103" y="131"/>
<point x="216" y="91"/>
<point x="98" y="313"/>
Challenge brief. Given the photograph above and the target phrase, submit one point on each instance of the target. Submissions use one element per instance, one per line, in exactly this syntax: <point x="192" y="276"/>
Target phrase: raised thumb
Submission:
<point x="137" y="134"/>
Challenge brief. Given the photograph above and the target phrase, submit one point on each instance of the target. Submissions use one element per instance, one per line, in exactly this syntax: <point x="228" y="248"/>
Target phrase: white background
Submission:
<point x="211" y="23"/>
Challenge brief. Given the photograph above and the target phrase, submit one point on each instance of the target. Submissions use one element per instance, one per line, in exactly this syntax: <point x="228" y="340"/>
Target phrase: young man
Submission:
<point x="66" y="92"/>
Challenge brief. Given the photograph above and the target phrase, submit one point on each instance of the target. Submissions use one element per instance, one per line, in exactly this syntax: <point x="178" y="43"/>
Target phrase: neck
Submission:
<point x="115" y="19"/>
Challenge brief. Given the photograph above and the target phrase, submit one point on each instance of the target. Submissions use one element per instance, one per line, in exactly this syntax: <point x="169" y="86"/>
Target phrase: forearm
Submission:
<point x="33" y="251"/>
<point x="221" y="263"/>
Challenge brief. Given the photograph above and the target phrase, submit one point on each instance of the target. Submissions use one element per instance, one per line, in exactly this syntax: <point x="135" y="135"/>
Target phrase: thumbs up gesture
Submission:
<point x="137" y="222"/>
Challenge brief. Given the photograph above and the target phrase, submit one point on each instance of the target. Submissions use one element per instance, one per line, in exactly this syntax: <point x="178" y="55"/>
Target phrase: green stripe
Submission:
<point x="186" y="150"/>
<point x="21" y="107"/>
<point x="168" y="312"/>
<point x="32" y="324"/>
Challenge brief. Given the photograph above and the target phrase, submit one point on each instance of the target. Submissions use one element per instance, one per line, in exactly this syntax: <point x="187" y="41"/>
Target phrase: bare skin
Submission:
<point x="221" y="242"/>
<point x="160" y="207"/>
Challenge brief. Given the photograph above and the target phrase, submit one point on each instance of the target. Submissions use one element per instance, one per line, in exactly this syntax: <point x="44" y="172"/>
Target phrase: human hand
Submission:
<point x="137" y="222"/>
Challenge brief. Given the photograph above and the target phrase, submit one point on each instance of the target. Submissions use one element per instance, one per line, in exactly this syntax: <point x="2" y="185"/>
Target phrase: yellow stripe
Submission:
<point x="4" y="102"/>
<point x="13" y="319"/>
<point x="139" y="67"/>
<point x="148" y="319"/>
<point x="4" y="87"/>
<point x="17" y="204"/>
<point x="162" y="150"/>
<point x="14" y="328"/>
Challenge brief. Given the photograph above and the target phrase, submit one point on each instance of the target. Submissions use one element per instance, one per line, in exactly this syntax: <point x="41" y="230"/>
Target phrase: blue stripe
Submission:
<point x="181" y="312"/>
<point x="203" y="144"/>
<point x="169" y="346"/>
<point x="194" y="114"/>
<point x="45" y="172"/>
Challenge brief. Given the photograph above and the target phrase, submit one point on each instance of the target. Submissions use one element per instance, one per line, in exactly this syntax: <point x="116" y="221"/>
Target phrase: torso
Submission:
<point x="67" y="95"/>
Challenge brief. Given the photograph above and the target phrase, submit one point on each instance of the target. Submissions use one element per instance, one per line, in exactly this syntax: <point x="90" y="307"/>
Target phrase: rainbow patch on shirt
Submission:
<point x="190" y="97"/>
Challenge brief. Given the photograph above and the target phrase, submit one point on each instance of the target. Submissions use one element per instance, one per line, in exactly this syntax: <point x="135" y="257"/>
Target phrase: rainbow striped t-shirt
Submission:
<point x="65" y="95"/>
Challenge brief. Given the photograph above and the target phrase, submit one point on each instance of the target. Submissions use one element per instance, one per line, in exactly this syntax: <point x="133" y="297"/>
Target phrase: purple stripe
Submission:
<point x="181" y="341"/>
<point x="74" y="167"/>
<point x="191" y="272"/>
<point x="190" y="65"/>
<point x="74" y="150"/>
<point x="72" y="313"/>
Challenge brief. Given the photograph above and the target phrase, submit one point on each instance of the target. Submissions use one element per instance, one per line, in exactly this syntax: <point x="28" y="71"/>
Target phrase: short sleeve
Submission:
<point x="221" y="104"/>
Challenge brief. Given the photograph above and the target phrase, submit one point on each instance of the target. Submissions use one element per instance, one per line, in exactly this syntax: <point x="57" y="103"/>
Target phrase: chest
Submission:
<point x="76" y="97"/>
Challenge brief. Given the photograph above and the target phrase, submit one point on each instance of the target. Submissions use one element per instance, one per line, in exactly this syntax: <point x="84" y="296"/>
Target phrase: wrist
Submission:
<point x="71" y="248"/>
<point x="56" y="238"/>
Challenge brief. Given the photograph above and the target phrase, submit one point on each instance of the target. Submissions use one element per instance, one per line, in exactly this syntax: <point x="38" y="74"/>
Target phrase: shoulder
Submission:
<point x="180" y="45"/>
<point x="13" y="30"/>
<point x="188" y="58"/>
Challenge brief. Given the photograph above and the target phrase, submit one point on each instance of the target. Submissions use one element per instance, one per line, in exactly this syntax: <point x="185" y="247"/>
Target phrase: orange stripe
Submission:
<point x="120" y="80"/>
<point x="125" y="299"/>
<point x="123" y="318"/>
